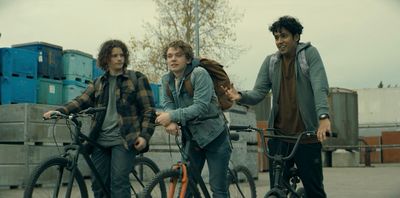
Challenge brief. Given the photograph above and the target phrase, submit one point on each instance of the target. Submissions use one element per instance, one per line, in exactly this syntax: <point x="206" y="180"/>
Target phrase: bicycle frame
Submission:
<point x="78" y="148"/>
<point x="61" y="174"/>
<point x="279" y="159"/>
<point x="192" y="168"/>
<point x="278" y="163"/>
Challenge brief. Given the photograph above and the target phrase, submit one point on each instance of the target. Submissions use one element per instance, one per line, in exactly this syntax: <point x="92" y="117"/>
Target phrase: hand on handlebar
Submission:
<point x="163" y="118"/>
<point x="173" y="129"/>
<point x="140" y="143"/>
<point x="49" y="114"/>
<point x="324" y="127"/>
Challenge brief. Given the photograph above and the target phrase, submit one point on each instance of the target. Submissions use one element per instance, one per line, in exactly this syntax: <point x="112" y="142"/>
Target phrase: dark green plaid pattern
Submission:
<point x="135" y="105"/>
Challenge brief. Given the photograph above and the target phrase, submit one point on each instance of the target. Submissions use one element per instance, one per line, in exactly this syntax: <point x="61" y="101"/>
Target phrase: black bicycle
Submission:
<point x="240" y="180"/>
<point x="60" y="176"/>
<point x="281" y="188"/>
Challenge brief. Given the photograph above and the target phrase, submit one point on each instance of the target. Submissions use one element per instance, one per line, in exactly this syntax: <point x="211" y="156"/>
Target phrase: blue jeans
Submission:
<point x="217" y="153"/>
<point x="114" y="165"/>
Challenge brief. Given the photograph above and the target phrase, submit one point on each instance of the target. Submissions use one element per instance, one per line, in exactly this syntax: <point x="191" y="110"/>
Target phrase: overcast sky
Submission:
<point x="359" y="40"/>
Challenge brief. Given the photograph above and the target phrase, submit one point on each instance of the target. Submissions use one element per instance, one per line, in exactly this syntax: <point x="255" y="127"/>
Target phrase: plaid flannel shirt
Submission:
<point x="135" y="108"/>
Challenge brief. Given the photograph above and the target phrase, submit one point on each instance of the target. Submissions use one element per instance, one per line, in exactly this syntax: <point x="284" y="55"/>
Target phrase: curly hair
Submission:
<point x="106" y="50"/>
<point x="186" y="48"/>
<point x="290" y="23"/>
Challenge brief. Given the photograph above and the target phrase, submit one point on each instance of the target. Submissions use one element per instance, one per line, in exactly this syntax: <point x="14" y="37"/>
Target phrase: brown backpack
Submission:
<point x="219" y="78"/>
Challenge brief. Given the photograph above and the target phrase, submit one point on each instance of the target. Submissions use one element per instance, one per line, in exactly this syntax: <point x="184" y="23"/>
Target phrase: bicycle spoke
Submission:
<point x="241" y="183"/>
<point x="51" y="179"/>
<point x="143" y="171"/>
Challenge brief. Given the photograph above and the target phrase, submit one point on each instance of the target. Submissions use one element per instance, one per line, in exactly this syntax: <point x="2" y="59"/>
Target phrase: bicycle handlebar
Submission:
<point x="88" y="111"/>
<point x="296" y="138"/>
<point x="250" y="129"/>
<point x="92" y="110"/>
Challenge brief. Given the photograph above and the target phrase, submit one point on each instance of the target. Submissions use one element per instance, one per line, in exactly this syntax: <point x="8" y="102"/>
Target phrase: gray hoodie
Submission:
<point x="311" y="91"/>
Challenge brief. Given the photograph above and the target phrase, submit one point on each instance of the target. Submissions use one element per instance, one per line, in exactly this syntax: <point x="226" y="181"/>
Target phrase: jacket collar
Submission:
<point x="189" y="68"/>
<point x="107" y="75"/>
<point x="301" y="46"/>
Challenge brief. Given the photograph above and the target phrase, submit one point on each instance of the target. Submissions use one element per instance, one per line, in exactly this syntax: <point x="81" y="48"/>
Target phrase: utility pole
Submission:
<point x="197" y="26"/>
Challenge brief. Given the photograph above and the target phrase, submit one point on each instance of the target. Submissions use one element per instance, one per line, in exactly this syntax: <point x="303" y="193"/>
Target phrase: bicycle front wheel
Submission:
<point x="241" y="183"/>
<point x="165" y="177"/>
<point x="50" y="179"/>
<point x="144" y="169"/>
<point x="300" y="193"/>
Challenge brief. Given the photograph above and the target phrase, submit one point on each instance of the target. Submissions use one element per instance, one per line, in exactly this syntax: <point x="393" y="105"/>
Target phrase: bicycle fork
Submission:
<point x="184" y="181"/>
<point x="72" y="154"/>
<point x="277" y="175"/>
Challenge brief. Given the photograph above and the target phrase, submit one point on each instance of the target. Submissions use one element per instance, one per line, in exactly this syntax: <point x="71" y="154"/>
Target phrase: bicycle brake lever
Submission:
<point x="92" y="110"/>
<point x="331" y="134"/>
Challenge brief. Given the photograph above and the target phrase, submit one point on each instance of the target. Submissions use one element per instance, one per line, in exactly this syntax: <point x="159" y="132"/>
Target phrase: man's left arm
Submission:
<point x="146" y="105"/>
<point x="319" y="81"/>
<point x="320" y="86"/>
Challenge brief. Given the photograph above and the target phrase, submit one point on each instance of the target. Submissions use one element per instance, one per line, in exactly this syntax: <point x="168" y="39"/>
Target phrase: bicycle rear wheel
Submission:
<point x="144" y="169"/>
<point x="241" y="183"/>
<point x="50" y="179"/>
<point x="165" y="177"/>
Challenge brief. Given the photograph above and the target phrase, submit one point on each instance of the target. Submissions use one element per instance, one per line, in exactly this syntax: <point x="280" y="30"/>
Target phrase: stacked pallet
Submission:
<point x="26" y="140"/>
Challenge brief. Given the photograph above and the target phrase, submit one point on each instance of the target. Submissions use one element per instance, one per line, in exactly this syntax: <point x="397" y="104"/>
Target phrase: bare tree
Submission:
<point x="176" y="20"/>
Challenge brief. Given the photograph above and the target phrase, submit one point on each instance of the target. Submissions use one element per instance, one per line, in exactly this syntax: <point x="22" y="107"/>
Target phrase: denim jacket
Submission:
<point x="194" y="112"/>
<point x="311" y="91"/>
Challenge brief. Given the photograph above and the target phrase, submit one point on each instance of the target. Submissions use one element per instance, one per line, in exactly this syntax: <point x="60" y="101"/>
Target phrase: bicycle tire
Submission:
<point x="143" y="170"/>
<point x="244" y="180"/>
<point x="163" y="176"/>
<point x="300" y="193"/>
<point x="38" y="186"/>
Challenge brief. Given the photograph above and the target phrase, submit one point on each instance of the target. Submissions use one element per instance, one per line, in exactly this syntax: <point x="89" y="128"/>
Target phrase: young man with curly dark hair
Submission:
<point x="209" y="136"/>
<point x="299" y="85"/>
<point x="126" y="126"/>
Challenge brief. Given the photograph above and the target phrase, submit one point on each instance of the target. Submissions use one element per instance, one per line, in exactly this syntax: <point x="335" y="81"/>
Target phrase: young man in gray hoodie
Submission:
<point x="299" y="85"/>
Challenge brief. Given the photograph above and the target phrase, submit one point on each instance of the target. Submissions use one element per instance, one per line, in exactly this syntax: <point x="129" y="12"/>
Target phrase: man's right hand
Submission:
<point x="232" y="93"/>
<point x="48" y="114"/>
<point x="173" y="129"/>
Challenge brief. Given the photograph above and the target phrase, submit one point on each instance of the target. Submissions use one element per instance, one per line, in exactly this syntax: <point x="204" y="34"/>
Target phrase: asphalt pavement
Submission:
<point x="380" y="180"/>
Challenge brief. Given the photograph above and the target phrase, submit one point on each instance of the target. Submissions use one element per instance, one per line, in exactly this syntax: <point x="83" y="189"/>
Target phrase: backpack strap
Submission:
<point x="168" y="90"/>
<point x="302" y="60"/>
<point x="134" y="78"/>
<point x="187" y="85"/>
<point x="303" y="63"/>
<point x="272" y="62"/>
<point x="96" y="82"/>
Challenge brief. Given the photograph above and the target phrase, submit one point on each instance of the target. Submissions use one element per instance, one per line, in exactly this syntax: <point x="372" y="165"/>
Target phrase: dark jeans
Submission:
<point x="114" y="165"/>
<point x="308" y="162"/>
<point x="217" y="153"/>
